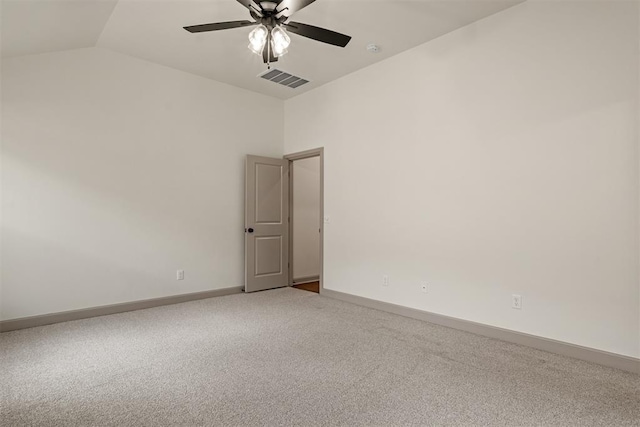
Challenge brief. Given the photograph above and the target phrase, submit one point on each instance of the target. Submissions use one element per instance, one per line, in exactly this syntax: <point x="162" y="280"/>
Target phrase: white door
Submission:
<point x="266" y="223"/>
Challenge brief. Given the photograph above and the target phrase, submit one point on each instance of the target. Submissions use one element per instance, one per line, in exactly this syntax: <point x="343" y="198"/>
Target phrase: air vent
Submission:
<point x="284" y="79"/>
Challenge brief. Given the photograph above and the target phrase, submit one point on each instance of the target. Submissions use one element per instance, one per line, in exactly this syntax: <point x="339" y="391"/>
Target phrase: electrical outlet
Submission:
<point x="423" y="288"/>
<point x="385" y="280"/>
<point x="180" y="275"/>
<point x="516" y="301"/>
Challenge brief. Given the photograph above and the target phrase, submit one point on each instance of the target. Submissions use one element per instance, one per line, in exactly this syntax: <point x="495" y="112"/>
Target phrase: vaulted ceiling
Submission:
<point x="152" y="30"/>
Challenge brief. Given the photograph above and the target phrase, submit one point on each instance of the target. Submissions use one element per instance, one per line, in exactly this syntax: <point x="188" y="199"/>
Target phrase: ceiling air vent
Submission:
<point x="282" y="78"/>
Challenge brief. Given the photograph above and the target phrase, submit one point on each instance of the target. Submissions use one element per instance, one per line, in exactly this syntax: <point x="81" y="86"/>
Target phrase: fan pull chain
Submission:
<point x="269" y="52"/>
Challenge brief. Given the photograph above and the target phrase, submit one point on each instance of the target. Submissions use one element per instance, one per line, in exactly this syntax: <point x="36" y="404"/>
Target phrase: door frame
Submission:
<point x="315" y="152"/>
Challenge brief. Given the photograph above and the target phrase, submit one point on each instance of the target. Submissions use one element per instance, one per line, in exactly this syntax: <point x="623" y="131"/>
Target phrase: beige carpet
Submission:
<point x="288" y="357"/>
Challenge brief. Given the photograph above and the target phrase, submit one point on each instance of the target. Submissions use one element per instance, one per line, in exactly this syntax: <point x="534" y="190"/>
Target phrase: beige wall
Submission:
<point x="306" y="218"/>
<point x="496" y="160"/>
<point x="116" y="173"/>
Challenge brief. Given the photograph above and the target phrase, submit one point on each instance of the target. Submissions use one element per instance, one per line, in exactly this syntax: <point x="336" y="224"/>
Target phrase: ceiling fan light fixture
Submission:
<point x="258" y="39"/>
<point x="269" y="39"/>
<point x="280" y="41"/>
<point x="278" y="52"/>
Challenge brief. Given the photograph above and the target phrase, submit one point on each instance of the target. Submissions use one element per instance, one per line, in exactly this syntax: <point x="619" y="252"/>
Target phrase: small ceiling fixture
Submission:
<point x="373" y="48"/>
<point x="269" y="38"/>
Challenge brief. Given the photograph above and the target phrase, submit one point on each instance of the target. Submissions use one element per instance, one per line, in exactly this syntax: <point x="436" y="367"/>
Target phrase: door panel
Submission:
<point x="268" y="179"/>
<point x="268" y="255"/>
<point x="266" y="223"/>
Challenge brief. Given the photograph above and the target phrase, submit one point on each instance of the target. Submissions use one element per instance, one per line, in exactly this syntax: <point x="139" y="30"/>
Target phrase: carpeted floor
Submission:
<point x="287" y="357"/>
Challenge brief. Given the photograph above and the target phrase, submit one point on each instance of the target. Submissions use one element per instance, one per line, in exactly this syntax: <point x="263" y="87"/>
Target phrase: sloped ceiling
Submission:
<point x="152" y="30"/>
<point x="40" y="26"/>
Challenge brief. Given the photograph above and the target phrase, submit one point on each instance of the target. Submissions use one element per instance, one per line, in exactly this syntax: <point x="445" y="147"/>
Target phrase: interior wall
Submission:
<point x="306" y="218"/>
<point x="499" y="159"/>
<point x="116" y="173"/>
<point x="637" y="136"/>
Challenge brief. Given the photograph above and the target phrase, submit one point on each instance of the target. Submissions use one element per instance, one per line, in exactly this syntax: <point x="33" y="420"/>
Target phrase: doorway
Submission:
<point x="306" y="212"/>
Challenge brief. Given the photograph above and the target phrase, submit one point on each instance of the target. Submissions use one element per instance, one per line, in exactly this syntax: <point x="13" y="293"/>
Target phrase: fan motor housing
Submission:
<point x="268" y="6"/>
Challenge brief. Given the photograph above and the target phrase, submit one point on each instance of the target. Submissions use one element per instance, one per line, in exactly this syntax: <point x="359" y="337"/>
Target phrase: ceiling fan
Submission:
<point x="270" y="39"/>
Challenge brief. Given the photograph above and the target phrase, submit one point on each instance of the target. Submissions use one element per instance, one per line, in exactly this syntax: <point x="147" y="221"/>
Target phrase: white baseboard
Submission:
<point x="626" y="363"/>
<point x="65" y="316"/>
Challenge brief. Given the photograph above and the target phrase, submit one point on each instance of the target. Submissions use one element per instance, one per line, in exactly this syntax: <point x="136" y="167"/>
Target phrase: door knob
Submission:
<point x="250" y="230"/>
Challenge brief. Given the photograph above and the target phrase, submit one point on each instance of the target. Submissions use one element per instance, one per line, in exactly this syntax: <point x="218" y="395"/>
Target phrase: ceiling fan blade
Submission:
<point x="288" y="7"/>
<point x="251" y="5"/>
<point x="317" y="33"/>
<point x="218" y="26"/>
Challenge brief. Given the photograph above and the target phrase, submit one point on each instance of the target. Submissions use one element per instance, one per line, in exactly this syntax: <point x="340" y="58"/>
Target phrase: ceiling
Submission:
<point x="152" y="30"/>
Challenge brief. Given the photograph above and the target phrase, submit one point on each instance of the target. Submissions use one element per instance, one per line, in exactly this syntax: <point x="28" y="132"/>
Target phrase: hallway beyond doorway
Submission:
<point x="311" y="287"/>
